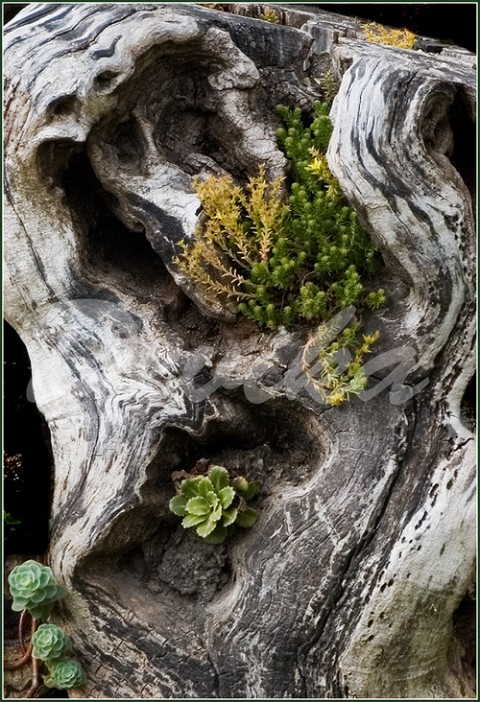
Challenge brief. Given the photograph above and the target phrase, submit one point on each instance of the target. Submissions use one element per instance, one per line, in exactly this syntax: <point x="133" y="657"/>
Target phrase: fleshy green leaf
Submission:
<point x="247" y="517"/>
<point x="198" y="505"/>
<point x="207" y="527"/>
<point x="226" y="496"/>
<point x="217" y="536"/>
<point x="33" y="587"/>
<point x="219" y="477"/>
<point x="178" y="505"/>
<point x="189" y="487"/>
<point x="192" y="520"/>
<point x="212" y="499"/>
<point x="40" y="612"/>
<point x="216" y="513"/>
<point x="229" y="516"/>
<point x="204" y="487"/>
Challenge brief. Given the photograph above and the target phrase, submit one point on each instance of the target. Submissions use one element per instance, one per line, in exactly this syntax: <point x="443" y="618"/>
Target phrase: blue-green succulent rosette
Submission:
<point x="64" y="674"/>
<point x="211" y="505"/>
<point x="33" y="587"/>
<point x="50" y="642"/>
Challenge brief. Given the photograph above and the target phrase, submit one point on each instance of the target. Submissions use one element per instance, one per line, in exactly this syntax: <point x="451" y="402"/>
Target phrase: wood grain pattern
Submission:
<point x="365" y="545"/>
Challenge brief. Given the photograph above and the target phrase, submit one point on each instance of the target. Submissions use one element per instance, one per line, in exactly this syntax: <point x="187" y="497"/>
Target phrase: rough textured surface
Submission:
<point x="350" y="583"/>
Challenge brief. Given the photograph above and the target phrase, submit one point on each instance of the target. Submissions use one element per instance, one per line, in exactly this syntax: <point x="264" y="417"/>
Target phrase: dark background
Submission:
<point x="453" y="22"/>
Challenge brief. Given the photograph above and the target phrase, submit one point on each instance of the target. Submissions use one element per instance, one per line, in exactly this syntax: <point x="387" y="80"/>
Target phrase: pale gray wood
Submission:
<point x="365" y="545"/>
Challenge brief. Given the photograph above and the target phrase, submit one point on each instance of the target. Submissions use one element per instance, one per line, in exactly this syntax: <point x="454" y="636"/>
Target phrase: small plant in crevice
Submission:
<point x="35" y="591"/>
<point x="212" y="504"/>
<point x="335" y="368"/>
<point x="269" y="15"/>
<point x="329" y="85"/>
<point x="379" y="34"/>
<point x="50" y="642"/>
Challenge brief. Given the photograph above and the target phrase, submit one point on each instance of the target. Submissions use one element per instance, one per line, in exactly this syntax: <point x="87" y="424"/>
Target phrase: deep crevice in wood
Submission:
<point x="468" y="405"/>
<point x="108" y="245"/>
<point x="464" y="131"/>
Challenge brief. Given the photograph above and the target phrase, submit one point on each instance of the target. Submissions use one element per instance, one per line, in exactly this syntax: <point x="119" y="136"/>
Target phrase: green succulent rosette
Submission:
<point x="33" y="587"/>
<point x="50" y="642"/>
<point x="64" y="674"/>
<point x="211" y="505"/>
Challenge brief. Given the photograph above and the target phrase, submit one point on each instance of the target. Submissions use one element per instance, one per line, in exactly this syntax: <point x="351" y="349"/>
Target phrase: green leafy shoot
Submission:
<point x="338" y="371"/>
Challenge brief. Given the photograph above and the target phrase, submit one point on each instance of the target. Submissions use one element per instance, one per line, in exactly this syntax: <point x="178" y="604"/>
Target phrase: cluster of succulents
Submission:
<point x="212" y="504"/>
<point x="34" y="589"/>
<point x="52" y="646"/>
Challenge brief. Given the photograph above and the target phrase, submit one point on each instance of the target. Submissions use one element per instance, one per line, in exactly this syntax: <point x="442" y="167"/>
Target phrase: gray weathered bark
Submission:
<point x="365" y="545"/>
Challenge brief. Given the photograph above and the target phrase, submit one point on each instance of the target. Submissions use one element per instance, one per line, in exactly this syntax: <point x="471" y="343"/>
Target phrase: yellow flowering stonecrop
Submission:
<point x="378" y="34"/>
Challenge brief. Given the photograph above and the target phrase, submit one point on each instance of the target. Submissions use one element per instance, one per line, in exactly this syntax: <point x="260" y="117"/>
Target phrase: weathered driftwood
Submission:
<point x="364" y="549"/>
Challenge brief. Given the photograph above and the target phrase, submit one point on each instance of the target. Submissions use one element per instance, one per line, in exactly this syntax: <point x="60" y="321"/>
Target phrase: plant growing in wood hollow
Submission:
<point x="283" y="259"/>
<point x="212" y="505"/>
<point x="335" y="369"/>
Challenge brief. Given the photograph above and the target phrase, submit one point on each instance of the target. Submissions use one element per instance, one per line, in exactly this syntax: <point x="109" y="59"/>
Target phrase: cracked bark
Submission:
<point x="364" y="550"/>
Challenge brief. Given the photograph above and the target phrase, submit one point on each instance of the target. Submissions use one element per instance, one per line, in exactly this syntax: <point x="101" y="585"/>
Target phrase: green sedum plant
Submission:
<point x="50" y="642"/>
<point x="33" y="588"/>
<point x="212" y="505"/>
<point x="64" y="674"/>
<point x="284" y="260"/>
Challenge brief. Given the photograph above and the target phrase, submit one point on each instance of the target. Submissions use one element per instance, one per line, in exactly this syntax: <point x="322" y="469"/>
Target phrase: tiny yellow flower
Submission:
<point x="336" y="398"/>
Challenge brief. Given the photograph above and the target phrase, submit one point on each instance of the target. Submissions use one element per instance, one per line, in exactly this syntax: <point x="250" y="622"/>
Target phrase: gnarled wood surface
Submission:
<point x="365" y="545"/>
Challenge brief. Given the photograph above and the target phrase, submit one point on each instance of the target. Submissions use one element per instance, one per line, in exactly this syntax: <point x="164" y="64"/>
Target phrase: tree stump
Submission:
<point x="350" y="583"/>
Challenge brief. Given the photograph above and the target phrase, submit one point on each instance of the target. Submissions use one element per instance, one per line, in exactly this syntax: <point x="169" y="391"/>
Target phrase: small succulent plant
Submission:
<point x="212" y="505"/>
<point x="33" y="588"/>
<point x="50" y="642"/>
<point x="64" y="674"/>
